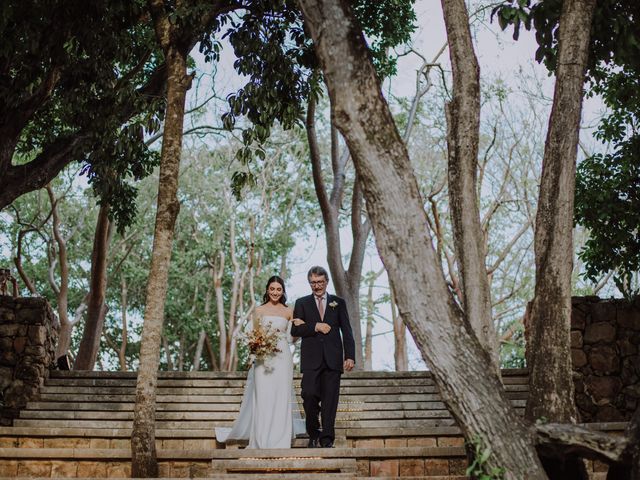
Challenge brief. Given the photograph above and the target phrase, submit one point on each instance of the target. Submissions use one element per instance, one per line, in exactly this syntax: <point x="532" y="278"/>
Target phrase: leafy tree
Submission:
<point x="79" y="81"/>
<point x="608" y="184"/>
<point x="51" y="234"/>
<point x="274" y="51"/>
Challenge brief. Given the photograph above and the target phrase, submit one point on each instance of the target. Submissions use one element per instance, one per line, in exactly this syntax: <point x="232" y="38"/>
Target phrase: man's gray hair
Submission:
<point x="319" y="271"/>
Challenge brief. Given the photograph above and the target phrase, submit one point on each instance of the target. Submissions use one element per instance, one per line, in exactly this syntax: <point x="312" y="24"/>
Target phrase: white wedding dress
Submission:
<point x="269" y="416"/>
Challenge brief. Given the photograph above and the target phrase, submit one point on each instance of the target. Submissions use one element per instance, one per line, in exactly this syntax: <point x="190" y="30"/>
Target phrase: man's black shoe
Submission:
<point x="327" y="445"/>
<point x="313" y="443"/>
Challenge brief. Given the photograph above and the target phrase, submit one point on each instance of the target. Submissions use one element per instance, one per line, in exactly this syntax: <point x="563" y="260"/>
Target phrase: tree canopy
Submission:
<point x="274" y="50"/>
<point x="70" y="92"/>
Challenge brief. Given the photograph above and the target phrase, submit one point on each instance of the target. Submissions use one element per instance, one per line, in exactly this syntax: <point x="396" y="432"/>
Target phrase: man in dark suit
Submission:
<point x="322" y="361"/>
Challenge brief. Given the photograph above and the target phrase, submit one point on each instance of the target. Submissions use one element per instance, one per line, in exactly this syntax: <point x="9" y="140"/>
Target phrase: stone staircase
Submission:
<point x="389" y="424"/>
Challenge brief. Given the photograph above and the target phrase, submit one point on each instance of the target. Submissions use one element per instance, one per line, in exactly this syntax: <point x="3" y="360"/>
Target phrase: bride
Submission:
<point x="269" y="416"/>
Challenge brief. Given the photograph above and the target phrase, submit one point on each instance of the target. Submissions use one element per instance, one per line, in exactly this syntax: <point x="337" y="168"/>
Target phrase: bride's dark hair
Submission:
<point x="276" y="279"/>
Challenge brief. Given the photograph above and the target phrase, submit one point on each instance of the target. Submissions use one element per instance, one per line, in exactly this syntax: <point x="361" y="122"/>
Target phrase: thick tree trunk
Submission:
<point x="97" y="308"/>
<point x="143" y="444"/>
<point x="463" y="130"/>
<point x="549" y="349"/>
<point x="462" y="369"/>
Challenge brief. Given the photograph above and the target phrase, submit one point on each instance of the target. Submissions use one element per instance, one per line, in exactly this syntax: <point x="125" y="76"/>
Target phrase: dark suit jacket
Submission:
<point x="315" y="345"/>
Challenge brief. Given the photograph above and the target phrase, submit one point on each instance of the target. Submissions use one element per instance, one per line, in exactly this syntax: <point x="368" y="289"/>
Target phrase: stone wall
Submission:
<point x="605" y="344"/>
<point x="28" y="335"/>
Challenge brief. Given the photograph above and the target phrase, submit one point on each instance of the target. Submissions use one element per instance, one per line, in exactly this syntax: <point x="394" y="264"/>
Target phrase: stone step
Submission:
<point x="232" y="454"/>
<point x="267" y="466"/>
<point x="92" y="396"/>
<point x="370" y="390"/>
<point x="61" y="407"/>
<point x="352" y="414"/>
<point x="168" y="424"/>
<point x="506" y="373"/>
<point x="222" y="382"/>
<point x="345" y="406"/>
<point x="17" y="432"/>
<point x="111" y="390"/>
<point x="352" y="433"/>
<point x="423" y="462"/>
<point x="43" y="437"/>
<point x="49" y="431"/>
<point x="105" y="441"/>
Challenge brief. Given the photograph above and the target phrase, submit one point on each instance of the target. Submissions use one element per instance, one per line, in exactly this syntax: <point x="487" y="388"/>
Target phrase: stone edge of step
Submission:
<point x="231" y="454"/>
<point x="209" y="434"/>
<point x="511" y="372"/>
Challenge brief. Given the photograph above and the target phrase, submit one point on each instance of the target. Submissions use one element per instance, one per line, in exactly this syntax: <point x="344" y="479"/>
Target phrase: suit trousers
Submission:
<point x="320" y="393"/>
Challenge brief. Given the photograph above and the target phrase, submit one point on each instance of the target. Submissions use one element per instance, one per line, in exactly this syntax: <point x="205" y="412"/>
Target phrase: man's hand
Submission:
<point x="323" y="328"/>
<point x="298" y="321"/>
<point x="349" y="364"/>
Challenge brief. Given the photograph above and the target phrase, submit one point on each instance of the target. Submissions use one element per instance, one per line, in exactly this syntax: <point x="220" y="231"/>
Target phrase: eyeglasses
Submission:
<point x="319" y="283"/>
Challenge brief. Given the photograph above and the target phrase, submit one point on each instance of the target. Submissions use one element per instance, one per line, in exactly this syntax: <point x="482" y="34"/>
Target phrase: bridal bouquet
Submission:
<point x="263" y="342"/>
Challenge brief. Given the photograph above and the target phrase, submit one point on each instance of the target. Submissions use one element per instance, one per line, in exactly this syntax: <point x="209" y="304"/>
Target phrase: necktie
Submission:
<point x="321" y="307"/>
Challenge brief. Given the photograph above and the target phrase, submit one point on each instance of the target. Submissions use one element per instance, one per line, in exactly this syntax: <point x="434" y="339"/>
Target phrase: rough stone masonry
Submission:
<point x="28" y="336"/>
<point x="605" y="346"/>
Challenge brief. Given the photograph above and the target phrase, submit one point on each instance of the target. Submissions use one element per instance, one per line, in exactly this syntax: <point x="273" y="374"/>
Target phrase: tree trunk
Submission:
<point x="198" y="353"/>
<point x="61" y="290"/>
<point x="549" y="349"/>
<point x="352" y="298"/>
<point x="368" y="339"/>
<point x="461" y="367"/>
<point x="64" y="338"/>
<point x="463" y="130"/>
<point x="400" y="357"/>
<point x="167" y="352"/>
<point x="181" y="349"/>
<point x="97" y="308"/>
<point x="217" y="272"/>
<point x="211" y="353"/>
<point x="143" y="444"/>
<point x="122" y="351"/>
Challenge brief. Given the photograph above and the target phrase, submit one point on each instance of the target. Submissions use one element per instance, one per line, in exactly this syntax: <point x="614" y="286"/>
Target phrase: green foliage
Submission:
<point x="608" y="185"/>
<point x="96" y="55"/>
<point x="276" y="54"/>
<point x="614" y="33"/>
<point x="385" y="25"/>
<point x="608" y="204"/>
<point x="31" y="213"/>
<point x="479" y="469"/>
